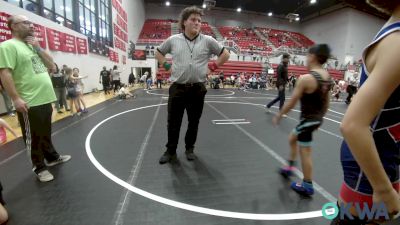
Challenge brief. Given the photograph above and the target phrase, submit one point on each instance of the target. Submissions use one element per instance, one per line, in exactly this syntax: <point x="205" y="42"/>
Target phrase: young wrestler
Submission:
<point x="370" y="153"/>
<point x="313" y="92"/>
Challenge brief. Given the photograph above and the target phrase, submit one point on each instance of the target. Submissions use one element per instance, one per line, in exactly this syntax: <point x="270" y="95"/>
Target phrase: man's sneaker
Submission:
<point x="303" y="188"/>
<point x="190" y="155"/>
<point x="45" y="176"/>
<point x="286" y="171"/>
<point x="167" y="157"/>
<point x="61" y="159"/>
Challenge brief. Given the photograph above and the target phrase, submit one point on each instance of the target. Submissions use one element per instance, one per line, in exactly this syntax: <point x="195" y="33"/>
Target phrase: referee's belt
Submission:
<point x="189" y="84"/>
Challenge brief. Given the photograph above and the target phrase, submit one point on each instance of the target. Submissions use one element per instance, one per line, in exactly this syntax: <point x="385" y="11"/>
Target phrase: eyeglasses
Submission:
<point x="25" y="22"/>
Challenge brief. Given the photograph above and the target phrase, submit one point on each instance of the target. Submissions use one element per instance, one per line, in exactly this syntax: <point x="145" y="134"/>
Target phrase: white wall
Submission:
<point x="217" y="17"/>
<point x="347" y="31"/>
<point x="331" y="29"/>
<point x="362" y="29"/>
<point x="136" y="17"/>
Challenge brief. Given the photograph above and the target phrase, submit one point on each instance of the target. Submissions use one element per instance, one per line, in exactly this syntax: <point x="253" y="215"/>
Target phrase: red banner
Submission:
<point x="40" y="34"/>
<point x="113" y="56"/>
<point x="122" y="23"/>
<point x="70" y="44"/>
<point x="81" y="45"/>
<point x="5" y="33"/>
<point x="119" y="33"/>
<point x="119" y="44"/>
<point x="55" y="39"/>
<point x="119" y="9"/>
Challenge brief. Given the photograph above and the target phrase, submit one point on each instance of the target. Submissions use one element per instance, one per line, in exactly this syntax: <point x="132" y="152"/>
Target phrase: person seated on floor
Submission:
<point x="124" y="93"/>
<point x="216" y="82"/>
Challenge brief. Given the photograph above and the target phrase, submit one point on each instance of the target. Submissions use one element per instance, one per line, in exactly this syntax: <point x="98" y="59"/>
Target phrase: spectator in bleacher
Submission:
<point x="282" y="79"/>
<point x="191" y="51"/>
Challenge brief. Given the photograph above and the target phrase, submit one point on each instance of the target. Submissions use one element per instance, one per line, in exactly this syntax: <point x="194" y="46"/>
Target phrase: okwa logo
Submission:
<point x="378" y="211"/>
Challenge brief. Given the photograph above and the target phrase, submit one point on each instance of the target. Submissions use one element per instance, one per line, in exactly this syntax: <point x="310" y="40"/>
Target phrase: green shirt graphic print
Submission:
<point x="30" y="75"/>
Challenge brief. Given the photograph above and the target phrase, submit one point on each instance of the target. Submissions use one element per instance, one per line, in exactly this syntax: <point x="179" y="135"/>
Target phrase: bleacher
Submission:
<point x="155" y="31"/>
<point x="235" y="67"/>
<point x="300" y="70"/>
<point x="206" y="29"/>
<point x="246" y="39"/>
<point x="229" y="68"/>
<point x="286" y="38"/>
<point x="278" y="37"/>
<point x="305" y="41"/>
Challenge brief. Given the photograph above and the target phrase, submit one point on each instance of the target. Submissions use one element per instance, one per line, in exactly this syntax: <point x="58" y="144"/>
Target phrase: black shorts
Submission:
<point x="304" y="131"/>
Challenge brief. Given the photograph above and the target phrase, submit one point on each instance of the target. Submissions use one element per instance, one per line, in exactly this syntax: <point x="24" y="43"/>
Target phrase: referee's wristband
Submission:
<point x="166" y="65"/>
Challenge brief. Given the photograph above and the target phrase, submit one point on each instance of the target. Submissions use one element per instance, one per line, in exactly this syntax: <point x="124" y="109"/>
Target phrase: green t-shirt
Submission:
<point x="31" y="79"/>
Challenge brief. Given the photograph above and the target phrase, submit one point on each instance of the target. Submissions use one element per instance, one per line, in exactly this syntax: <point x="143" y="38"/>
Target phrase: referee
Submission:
<point x="190" y="52"/>
<point x="282" y="79"/>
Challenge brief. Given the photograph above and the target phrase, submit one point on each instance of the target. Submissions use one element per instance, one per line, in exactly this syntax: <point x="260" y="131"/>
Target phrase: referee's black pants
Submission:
<point x="351" y="90"/>
<point x="36" y="131"/>
<point x="280" y="98"/>
<point x="181" y="97"/>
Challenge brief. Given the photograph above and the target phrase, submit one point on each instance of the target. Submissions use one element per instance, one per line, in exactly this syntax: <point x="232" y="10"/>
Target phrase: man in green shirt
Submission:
<point x="23" y="72"/>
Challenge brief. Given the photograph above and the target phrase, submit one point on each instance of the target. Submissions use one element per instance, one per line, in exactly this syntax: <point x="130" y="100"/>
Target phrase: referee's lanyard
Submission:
<point x="191" y="50"/>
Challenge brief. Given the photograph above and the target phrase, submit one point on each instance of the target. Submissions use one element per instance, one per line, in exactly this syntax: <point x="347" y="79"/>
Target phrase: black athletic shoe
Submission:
<point x="190" y="155"/>
<point x="167" y="157"/>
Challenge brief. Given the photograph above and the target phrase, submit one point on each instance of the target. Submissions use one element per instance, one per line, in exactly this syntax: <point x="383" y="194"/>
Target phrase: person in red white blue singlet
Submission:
<point x="370" y="153"/>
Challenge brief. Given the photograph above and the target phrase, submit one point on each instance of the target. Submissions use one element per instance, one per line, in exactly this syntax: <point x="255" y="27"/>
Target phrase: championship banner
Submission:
<point x="40" y="34"/>
<point x="81" y="46"/>
<point x="55" y="40"/>
<point x="70" y="45"/>
<point x="5" y="33"/>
